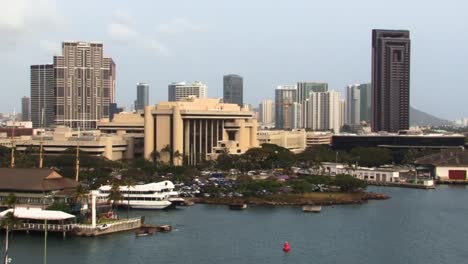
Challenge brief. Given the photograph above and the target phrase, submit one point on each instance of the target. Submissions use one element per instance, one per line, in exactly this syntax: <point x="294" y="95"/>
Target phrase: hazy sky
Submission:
<point x="267" y="42"/>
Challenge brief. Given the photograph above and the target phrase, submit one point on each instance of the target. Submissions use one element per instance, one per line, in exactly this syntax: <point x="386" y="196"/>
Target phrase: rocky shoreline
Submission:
<point x="296" y="199"/>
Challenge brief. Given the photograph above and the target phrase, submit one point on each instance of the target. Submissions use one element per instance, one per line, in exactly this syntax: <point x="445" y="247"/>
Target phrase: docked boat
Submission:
<point x="145" y="196"/>
<point x="311" y="209"/>
<point x="237" y="206"/>
<point x="145" y="231"/>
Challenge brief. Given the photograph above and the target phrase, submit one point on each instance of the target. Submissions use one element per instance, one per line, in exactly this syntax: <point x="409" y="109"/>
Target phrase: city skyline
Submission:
<point x="160" y="57"/>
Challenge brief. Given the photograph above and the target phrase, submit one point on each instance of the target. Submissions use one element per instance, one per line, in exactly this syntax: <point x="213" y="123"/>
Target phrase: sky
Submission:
<point x="268" y="42"/>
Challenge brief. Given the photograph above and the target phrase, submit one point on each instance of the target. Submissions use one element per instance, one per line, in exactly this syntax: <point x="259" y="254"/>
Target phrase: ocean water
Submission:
<point x="414" y="226"/>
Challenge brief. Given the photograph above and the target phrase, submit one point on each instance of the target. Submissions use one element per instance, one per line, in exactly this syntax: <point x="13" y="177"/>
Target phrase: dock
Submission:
<point x="107" y="228"/>
<point x="402" y="184"/>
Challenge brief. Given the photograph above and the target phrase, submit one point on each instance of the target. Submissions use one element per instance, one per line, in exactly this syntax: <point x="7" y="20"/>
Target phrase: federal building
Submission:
<point x="196" y="129"/>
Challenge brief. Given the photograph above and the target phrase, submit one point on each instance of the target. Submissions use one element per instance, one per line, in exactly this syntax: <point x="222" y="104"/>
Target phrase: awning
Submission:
<point x="38" y="214"/>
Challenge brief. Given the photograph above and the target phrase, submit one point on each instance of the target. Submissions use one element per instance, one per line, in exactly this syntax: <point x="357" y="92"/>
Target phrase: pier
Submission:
<point x="402" y="184"/>
<point x="107" y="228"/>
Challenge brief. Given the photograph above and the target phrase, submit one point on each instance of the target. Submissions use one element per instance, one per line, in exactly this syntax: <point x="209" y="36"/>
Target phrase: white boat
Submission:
<point x="156" y="195"/>
<point x="145" y="196"/>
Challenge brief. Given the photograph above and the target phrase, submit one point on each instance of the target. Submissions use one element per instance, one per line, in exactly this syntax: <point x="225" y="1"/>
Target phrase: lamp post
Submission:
<point x="45" y="229"/>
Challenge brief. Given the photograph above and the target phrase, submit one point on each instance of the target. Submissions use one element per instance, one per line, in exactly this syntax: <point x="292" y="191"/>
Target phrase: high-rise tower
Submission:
<point x="180" y="90"/>
<point x="25" y="109"/>
<point x="233" y="89"/>
<point x="42" y="95"/>
<point x="285" y="96"/>
<point x="84" y="84"/>
<point x="142" y="96"/>
<point x="390" y="80"/>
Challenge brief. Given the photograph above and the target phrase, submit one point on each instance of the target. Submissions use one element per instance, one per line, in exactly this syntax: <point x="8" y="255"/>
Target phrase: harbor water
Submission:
<point x="414" y="226"/>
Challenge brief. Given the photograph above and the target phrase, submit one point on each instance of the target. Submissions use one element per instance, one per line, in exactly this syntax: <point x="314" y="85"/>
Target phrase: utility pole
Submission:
<point x="77" y="168"/>
<point x="12" y="158"/>
<point x="41" y="140"/>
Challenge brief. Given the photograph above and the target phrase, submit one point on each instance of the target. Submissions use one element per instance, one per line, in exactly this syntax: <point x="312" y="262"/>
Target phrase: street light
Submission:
<point x="45" y="229"/>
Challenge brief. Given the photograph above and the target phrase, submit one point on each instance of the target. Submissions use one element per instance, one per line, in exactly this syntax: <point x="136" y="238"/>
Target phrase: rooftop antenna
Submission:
<point x="12" y="158"/>
<point x="77" y="168"/>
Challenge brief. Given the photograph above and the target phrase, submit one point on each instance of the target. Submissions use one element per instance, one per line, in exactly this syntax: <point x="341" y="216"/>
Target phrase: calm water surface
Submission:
<point x="415" y="226"/>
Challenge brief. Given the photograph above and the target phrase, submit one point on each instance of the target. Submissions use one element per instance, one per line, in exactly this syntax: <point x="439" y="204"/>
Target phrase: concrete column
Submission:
<point x="108" y="148"/>
<point x="93" y="208"/>
<point x="130" y="152"/>
<point x="177" y="134"/>
<point x="149" y="132"/>
<point x="253" y="133"/>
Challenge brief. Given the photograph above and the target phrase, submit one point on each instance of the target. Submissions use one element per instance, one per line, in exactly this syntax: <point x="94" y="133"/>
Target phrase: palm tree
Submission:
<point x="114" y="195"/>
<point x="129" y="182"/>
<point x="8" y="221"/>
<point x="79" y="194"/>
<point x="168" y="150"/>
<point x="178" y="155"/>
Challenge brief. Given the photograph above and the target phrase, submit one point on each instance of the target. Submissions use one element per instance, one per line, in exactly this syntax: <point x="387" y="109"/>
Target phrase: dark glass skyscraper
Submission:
<point x="25" y="109"/>
<point x="142" y="96"/>
<point x="42" y="95"/>
<point x="305" y="88"/>
<point x="390" y="80"/>
<point x="233" y="89"/>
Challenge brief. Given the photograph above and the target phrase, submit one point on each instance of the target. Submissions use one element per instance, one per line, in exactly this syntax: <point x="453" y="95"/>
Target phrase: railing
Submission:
<point x="50" y="227"/>
<point x="109" y="224"/>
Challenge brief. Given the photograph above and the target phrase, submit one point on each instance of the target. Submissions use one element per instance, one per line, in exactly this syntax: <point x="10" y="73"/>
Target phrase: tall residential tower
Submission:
<point x="42" y="95"/>
<point x="285" y="96"/>
<point x="390" y="80"/>
<point x="84" y="84"/>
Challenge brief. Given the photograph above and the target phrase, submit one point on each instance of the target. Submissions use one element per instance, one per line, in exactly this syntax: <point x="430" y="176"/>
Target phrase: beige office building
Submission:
<point x="198" y="129"/>
<point x="296" y="140"/>
<point x="180" y="90"/>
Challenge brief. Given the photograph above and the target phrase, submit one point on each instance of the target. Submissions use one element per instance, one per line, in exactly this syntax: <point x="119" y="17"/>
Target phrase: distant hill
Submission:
<point x="420" y="118"/>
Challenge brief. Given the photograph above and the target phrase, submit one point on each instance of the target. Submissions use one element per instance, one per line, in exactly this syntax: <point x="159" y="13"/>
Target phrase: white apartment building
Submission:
<point x="180" y="90"/>
<point x="322" y="111"/>
<point x="266" y="111"/>
<point x="353" y="105"/>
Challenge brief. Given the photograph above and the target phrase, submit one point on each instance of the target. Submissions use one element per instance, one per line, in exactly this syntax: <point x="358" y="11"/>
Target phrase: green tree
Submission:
<point x="9" y="221"/>
<point x="167" y="151"/>
<point x="300" y="186"/>
<point x="114" y="195"/>
<point x="348" y="183"/>
<point x="371" y="157"/>
<point x="129" y="182"/>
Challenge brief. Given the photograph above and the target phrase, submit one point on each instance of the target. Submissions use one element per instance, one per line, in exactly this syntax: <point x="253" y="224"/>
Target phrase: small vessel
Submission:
<point x="286" y="247"/>
<point x="145" y="231"/>
<point x="103" y="227"/>
<point x="164" y="228"/>
<point x="311" y="209"/>
<point x="238" y="206"/>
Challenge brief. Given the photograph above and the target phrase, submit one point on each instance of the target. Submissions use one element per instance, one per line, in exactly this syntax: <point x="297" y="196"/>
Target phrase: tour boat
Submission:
<point x="144" y="196"/>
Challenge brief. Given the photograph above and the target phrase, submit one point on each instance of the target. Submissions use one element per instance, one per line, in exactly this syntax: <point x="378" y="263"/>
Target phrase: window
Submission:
<point x="397" y="56"/>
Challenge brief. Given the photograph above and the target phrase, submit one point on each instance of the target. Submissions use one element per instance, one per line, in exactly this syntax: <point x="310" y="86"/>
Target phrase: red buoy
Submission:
<point x="286" y="247"/>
